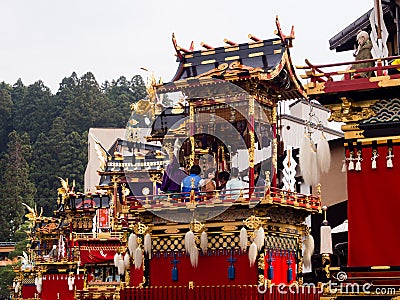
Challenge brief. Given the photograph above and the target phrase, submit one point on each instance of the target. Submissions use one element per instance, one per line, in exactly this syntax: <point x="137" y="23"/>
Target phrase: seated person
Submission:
<point x="363" y="52"/>
<point x="195" y="171"/>
<point x="208" y="184"/>
<point x="235" y="184"/>
<point x="173" y="176"/>
<point x="223" y="178"/>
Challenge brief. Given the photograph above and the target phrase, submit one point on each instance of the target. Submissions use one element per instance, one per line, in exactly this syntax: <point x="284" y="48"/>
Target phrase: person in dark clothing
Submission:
<point x="173" y="177"/>
<point x="223" y="178"/>
<point x="363" y="53"/>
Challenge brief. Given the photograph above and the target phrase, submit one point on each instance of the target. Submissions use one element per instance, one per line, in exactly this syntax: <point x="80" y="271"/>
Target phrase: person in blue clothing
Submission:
<point x="195" y="171"/>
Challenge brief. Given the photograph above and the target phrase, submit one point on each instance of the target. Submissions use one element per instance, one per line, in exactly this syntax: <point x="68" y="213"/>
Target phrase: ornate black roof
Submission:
<point x="263" y="61"/>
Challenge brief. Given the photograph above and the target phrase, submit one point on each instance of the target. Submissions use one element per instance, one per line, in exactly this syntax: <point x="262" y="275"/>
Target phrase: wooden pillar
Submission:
<point x="191" y="133"/>
<point x="252" y="147"/>
<point x="274" y="166"/>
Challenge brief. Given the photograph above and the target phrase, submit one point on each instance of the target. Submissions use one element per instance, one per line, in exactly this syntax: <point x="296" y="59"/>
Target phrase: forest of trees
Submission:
<point x="44" y="136"/>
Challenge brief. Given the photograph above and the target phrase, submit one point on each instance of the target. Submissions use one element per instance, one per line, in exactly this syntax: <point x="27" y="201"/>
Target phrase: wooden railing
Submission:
<point x="318" y="73"/>
<point x="192" y="200"/>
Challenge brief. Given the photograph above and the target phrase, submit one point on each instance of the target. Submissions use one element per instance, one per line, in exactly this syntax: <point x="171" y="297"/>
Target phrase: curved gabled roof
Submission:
<point x="261" y="56"/>
<point x="267" y="62"/>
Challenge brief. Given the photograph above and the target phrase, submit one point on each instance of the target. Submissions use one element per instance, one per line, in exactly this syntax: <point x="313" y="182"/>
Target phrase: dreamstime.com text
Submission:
<point x="328" y="287"/>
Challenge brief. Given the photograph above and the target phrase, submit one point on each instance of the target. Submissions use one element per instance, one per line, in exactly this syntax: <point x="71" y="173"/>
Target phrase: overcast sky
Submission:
<point x="49" y="39"/>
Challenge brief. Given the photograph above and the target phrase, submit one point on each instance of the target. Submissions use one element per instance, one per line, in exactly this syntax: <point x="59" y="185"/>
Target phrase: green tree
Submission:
<point x="6" y="106"/>
<point x="16" y="187"/>
<point x="45" y="167"/>
<point x="86" y="109"/>
<point x="33" y="111"/>
<point x="6" y="278"/>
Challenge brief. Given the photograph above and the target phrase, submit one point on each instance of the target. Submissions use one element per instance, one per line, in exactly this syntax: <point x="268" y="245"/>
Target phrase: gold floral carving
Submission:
<point x="140" y="228"/>
<point x="349" y="111"/>
<point x="234" y="69"/>
<point x="253" y="222"/>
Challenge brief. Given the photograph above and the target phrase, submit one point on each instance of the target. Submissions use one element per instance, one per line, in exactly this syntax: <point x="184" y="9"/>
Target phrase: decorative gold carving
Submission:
<point x="196" y="226"/>
<point x="229" y="228"/>
<point x="172" y="230"/>
<point x="275" y="153"/>
<point x="234" y="69"/>
<point x="253" y="222"/>
<point x="314" y="88"/>
<point x="140" y="228"/>
<point x="350" y="111"/>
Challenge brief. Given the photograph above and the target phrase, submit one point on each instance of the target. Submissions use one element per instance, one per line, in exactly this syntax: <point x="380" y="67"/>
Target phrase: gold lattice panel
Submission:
<point x="28" y="280"/>
<point x="215" y="242"/>
<point x="222" y="242"/>
<point x="281" y="243"/>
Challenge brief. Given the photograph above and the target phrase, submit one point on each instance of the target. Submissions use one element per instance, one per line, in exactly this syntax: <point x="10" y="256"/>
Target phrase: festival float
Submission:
<point x="130" y="240"/>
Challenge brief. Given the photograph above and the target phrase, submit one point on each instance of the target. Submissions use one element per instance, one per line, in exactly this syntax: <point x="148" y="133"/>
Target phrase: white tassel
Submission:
<point x="116" y="256"/>
<point x="259" y="238"/>
<point x="305" y="159"/>
<point x="38" y="283"/>
<point x="315" y="173"/>
<point x="127" y="260"/>
<point x="147" y="243"/>
<point x="389" y="161"/>
<point x="203" y="242"/>
<point x="344" y="166"/>
<point x="308" y="251"/>
<point x="189" y="241"/>
<point x="359" y="160"/>
<point x="194" y="256"/>
<point x="138" y="258"/>
<point x="121" y="265"/>
<point x="16" y="288"/>
<point x="351" y="162"/>
<point x="373" y="164"/>
<point x="71" y="281"/>
<point x="373" y="158"/>
<point x="132" y="243"/>
<point x="243" y="239"/>
<point x="323" y="154"/>
<point x="253" y="253"/>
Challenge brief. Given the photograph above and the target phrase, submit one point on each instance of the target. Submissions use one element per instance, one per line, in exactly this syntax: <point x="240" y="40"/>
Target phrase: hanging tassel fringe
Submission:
<point x="116" y="257"/>
<point x="389" y="161"/>
<point x="38" y="283"/>
<point x="359" y="160"/>
<point x="138" y="258"/>
<point x="308" y="251"/>
<point x="373" y="158"/>
<point x="344" y="166"/>
<point x="71" y="282"/>
<point x="315" y="173"/>
<point x="127" y="260"/>
<point x="259" y="238"/>
<point x="121" y="265"/>
<point x="189" y="241"/>
<point x="351" y="161"/>
<point x="323" y="154"/>
<point x="147" y="243"/>
<point x="306" y="159"/>
<point x="243" y="240"/>
<point x="253" y="253"/>
<point x="194" y="256"/>
<point x="132" y="243"/>
<point x="203" y="242"/>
